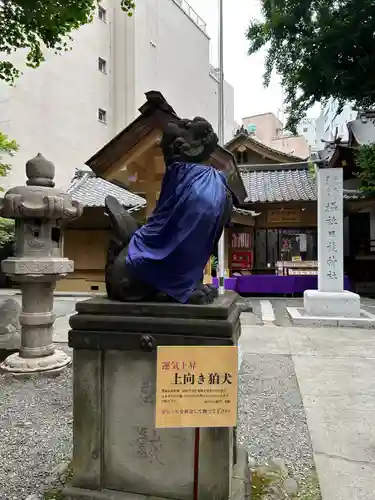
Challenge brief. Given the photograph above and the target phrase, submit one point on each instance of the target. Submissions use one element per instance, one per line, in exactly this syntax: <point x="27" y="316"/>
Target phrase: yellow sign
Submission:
<point x="196" y="386"/>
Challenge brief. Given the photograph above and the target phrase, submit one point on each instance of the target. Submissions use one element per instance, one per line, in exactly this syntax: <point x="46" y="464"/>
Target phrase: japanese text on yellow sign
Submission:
<point x="196" y="386"/>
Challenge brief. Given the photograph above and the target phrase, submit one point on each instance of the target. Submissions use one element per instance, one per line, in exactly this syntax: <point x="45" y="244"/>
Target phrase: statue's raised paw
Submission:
<point x="212" y="291"/>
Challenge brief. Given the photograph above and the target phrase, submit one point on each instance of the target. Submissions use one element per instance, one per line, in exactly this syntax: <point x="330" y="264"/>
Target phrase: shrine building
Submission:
<point x="271" y="245"/>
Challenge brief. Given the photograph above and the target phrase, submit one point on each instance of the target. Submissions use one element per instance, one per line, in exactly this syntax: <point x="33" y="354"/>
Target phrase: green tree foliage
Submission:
<point x="365" y="158"/>
<point x="7" y="148"/>
<point x="36" y="25"/>
<point x="320" y="48"/>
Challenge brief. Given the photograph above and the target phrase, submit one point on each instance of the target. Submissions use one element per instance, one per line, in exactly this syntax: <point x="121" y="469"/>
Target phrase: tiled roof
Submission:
<point x="91" y="191"/>
<point x="277" y="185"/>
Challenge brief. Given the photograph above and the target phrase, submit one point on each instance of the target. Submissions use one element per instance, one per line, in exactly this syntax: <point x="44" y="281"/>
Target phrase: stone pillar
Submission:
<point x="330" y="230"/>
<point x="330" y="299"/>
<point x="39" y="210"/>
<point x="118" y="452"/>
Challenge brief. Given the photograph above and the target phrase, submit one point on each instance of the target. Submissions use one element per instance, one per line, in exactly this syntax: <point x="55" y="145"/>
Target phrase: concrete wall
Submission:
<point x="173" y="55"/>
<point x="269" y="130"/>
<point x="229" y="122"/>
<point x="54" y="109"/>
<point x="267" y="126"/>
<point x="291" y="144"/>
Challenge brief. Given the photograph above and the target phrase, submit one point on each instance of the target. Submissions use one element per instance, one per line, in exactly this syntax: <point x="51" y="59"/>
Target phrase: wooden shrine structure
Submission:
<point x="131" y="168"/>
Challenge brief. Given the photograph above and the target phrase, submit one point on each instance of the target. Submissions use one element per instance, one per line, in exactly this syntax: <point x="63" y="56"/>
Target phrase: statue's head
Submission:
<point x="188" y="140"/>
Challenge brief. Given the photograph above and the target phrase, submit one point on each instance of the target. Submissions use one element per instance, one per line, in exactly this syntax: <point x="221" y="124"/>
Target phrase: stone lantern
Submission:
<point x="39" y="210"/>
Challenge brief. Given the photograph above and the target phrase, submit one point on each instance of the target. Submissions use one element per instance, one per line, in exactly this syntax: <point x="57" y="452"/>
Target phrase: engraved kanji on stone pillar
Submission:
<point x="39" y="210"/>
<point x="331" y="300"/>
<point x="330" y="230"/>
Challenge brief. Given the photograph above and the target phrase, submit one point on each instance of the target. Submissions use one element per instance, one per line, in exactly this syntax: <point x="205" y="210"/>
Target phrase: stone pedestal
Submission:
<point x="39" y="210"/>
<point x="331" y="304"/>
<point x="118" y="452"/>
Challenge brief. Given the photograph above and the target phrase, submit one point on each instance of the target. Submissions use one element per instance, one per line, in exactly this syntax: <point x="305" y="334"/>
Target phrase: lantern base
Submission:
<point x="47" y="365"/>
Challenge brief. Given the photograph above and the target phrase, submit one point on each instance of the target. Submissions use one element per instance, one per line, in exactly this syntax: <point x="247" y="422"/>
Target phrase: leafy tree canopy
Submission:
<point x="35" y="24"/>
<point x="7" y="148"/>
<point x="321" y="49"/>
<point x="365" y="159"/>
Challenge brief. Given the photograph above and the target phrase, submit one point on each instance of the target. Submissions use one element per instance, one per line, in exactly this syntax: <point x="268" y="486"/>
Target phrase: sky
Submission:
<point x="243" y="72"/>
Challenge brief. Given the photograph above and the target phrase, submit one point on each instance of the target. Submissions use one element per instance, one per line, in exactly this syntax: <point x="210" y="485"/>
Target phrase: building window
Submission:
<point x="102" y="13"/>
<point x="305" y="129"/>
<point x="102" y="115"/>
<point x="102" y="65"/>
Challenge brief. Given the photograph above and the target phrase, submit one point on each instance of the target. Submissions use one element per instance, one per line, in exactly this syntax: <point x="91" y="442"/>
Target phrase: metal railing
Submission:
<point x="192" y="14"/>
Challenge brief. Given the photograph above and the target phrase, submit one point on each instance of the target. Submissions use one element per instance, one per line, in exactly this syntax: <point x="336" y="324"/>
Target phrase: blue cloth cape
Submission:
<point x="172" y="249"/>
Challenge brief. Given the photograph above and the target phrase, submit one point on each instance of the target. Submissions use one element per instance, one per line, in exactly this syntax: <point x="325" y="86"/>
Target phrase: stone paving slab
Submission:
<point x="328" y="376"/>
<point x="345" y="480"/>
<point x="332" y="342"/>
<point x="342" y="425"/>
<point x="265" y="340"/>
<point x="335" y="370"/>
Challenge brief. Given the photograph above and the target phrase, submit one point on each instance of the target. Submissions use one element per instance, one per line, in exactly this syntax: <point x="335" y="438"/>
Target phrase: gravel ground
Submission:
<point x="36" y="432"/>
<point x="36" y="417"/>
<point x="272" y="421"/>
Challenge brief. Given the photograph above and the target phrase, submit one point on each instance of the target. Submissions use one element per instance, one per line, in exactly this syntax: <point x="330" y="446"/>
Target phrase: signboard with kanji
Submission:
<point x="242" y="261"/>
<point x="196" y="386"/>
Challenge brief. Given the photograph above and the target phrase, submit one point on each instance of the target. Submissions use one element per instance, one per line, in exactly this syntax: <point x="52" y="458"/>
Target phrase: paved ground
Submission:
<point x="334" y="368"/>
<point x="306" y="395"/>
<point x="266" y="311"/>
<point x="272" y="310"/>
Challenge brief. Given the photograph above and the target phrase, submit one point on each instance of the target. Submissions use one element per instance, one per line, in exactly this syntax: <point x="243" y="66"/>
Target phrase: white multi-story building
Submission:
<point x="307" y="128"/>
<point x="329" y="122"/>
<point x="75" y="103"/>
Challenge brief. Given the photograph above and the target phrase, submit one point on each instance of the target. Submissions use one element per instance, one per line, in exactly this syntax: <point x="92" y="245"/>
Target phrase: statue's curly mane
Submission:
<point x="189" y="140"/>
